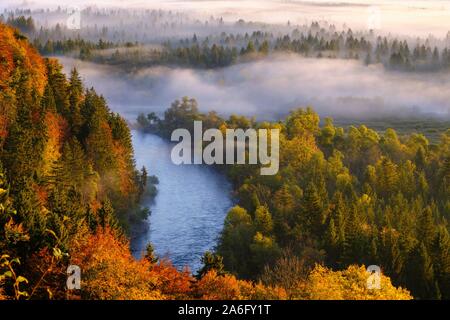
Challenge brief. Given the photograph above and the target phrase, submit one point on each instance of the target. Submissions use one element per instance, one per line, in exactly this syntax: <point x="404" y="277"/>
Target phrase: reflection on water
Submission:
<point x="189" y="210"/>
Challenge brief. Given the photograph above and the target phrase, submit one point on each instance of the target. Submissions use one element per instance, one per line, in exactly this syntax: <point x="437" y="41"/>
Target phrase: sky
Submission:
<point x="420" y="18"/>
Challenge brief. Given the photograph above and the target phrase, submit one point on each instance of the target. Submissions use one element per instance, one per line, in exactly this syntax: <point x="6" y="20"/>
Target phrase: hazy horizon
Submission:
<point x="414" y="18"/>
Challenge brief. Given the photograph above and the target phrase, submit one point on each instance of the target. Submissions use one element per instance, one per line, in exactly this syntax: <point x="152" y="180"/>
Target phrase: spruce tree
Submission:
<point x="420" y="274"/>
<point x="106" y="217"/>
<point x="441" y="261"/>
<point x="210" y="262"/>
<point x="426" y="228"/>
<point x="263" y="220"/>
<point x="313" y="213"/>
<point x="150" y="254"/>
<point x="75" y="91"/>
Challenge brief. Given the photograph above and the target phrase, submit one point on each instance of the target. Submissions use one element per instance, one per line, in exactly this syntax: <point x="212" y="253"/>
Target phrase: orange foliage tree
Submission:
<point x="109" y="271"/>
<point x="227" y="287"/>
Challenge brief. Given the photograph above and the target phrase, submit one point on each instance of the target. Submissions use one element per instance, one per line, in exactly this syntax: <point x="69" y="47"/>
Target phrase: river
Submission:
<point x="188" y="212"/>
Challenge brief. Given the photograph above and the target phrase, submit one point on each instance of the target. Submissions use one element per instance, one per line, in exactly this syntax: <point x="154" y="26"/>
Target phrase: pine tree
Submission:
<point x="150" y="254"/>
<point x="75" y="91"/>
<point x="57" y="81"/>
<point x="264" y="48"/>
<point x="210" y="262"/>
<point x="352" y="245"/>
<point x="263" y="220"/>
<point x="331" y="243"/>
<point x="445" y="176"/>
<point x="339" y="212"/>
<point x="29" y="212"/>
<point x="420" y="274"/>
<point x="426" y="229"/>
<point x="313" y="213"/>
<point x="420" y="158"/>
<point x="250" y="47"/>
<point x="395" y="260"/>
<point x="106" y="217"/>
<point x="387" y="177"/>
<point x="441" y="261"/>
<point x="48" y="100"/>
<point x="142" y="182"/>
<point x="22" y="142"/>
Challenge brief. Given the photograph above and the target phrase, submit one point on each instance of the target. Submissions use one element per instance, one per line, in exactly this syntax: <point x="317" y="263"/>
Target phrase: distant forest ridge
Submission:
<point x="242" y="42"/>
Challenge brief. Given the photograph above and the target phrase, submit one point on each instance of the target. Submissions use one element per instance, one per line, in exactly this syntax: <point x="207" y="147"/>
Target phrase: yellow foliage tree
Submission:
<point x="349" y="284"/>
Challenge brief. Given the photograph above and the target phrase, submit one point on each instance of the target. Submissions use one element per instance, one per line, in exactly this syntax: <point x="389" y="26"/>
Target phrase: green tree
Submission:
<point x="263" y="220"/>
<point x="210" y="262"/>
<point x="421" y="279"/>
<point x="441" y="261"/>
<point x="150" y="254"/>
<point x="426" y="228"/>
<point x="264" y="48"/>
<point x="75" y="90"/>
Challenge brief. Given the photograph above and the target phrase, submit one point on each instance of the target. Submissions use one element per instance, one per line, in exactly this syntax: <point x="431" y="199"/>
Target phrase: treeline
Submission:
<point x="66" y="169"/>
<point x="224" y="49"/>
<point x="393" y="54"/>
<point x="24" y="24"/>
<point x="134" y="55"/>
<point x="113" y="24"/>
<point x="341" y="197"/>
<point x="81" y="48"/>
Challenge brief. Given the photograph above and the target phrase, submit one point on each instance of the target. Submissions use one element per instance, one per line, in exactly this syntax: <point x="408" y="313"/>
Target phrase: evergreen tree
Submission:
<point x="150" y="254"/>
<point x="75" y="90"/>
<point x="420" y="272"/>
<point x="106" y="217"/>
<point x="313" y="213"/>
<point x="441" y="261"/>
<point x="426" y="229"/>
<point x="210" y="262"/>
<point x="263" y="220"/>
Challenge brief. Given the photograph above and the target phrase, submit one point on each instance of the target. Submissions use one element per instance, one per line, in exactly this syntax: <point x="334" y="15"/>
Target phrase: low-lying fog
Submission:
<point x="271" y="87"/>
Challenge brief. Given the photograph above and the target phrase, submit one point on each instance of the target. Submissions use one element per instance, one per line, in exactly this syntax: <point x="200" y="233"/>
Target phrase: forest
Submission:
<point x="342" y="196"/>
<point x="69" y="191"/>
<point x="67" y="183"/>
<point x="86" y="116"/>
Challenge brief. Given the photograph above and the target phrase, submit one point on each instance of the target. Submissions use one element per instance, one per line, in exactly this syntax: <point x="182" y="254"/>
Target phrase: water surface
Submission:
<point x="189" y="209"/>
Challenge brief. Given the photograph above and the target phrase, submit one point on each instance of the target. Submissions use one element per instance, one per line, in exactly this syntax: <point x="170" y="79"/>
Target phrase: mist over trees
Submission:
<point x="213" y="43"/>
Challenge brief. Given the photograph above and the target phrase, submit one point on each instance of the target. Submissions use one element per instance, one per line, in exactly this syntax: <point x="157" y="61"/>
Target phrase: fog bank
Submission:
<point x="271" y="87"/>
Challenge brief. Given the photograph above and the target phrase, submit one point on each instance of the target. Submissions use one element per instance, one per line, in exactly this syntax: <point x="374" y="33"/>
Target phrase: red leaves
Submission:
<point x="110" y="272"/>
<point x="173" y="283"/>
